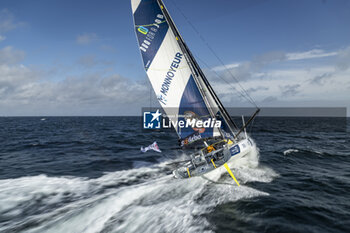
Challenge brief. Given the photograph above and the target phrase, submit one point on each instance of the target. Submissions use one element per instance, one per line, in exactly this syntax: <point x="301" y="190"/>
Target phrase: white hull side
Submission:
<point x="246" y="149"/>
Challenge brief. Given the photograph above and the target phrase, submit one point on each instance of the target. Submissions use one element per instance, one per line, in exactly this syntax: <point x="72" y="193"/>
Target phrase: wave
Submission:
<point x="143" y="199"/>
<point x="309" y="151"/>
<point x="289" y="151"/>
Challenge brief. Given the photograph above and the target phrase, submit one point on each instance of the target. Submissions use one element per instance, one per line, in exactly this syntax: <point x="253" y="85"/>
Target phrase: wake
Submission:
<point x="143" y="199"/>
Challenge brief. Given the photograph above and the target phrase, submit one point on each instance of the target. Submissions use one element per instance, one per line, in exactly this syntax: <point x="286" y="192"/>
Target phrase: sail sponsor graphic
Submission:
<point x="150" y="27"/>
<point x="169" y="70"/>
<point x="235" y="150"/>
<point x="144" y="31"/>
<point x="150" y="33"/>
<point x="169" y="77"/>
<point x="190" y="139"/>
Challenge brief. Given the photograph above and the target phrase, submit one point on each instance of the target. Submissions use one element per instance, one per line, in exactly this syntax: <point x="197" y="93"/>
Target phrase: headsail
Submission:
<point x="179" y="86"/>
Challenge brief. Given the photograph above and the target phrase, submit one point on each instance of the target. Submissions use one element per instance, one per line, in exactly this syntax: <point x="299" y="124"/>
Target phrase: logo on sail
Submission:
<point x="170" y="75"/>
<point x="150" y="33"/>
<point x="192" y="138"/>
<point x="161" y="99"/>
<point x="143" y="30"/>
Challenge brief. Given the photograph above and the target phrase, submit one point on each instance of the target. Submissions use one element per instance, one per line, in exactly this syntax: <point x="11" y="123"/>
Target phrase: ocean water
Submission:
<point x="87" y="174"/>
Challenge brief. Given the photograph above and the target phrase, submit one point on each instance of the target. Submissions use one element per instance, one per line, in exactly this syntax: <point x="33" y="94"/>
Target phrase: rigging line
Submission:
<point x="213" y="52"/>
<point x="198" y="73"/>
<point x="251" y="126"/>
<point x="239" y="93"/>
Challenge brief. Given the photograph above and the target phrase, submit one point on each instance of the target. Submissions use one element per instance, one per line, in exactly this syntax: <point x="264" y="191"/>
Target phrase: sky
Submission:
<point x="80" y="58"/>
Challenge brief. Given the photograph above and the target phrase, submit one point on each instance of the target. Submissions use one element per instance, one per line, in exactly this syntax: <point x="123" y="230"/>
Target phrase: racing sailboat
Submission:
<point x="185" y="94"/>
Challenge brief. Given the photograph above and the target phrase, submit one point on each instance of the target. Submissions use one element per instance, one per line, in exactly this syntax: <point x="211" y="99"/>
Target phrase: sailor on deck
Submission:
<point x="210" y="148"/>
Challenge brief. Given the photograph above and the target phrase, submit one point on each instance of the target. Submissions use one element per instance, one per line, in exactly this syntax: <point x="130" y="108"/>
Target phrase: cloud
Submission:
<point x="8" y="56"/>
<point x="24" y="91"/>
<point x="87" y="38"/>
<point x="7" y="21"/>
<point x="88" y="61"/>
<point x="267" y="58"/>
<point x="108" y="48"/>
<point x="343" y="59"/>
<point x="98" y="88"/>
<point x="91" y="60"/>
<point x="289" y="90"/>
<point x="311" y="54"/>
<point x="310" y="82"/>
<point x="269" y="99"/>
<point x="29" y="91"/>
<point x="229" y="66"/>
<point x="244" y="71"/>
<point x="256" y="89"/>
<point x="15" y="79"/>
<point x="320" y="79"/>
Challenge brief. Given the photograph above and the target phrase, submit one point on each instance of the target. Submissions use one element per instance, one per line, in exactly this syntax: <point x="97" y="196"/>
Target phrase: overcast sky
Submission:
<point x="80" y="57"/>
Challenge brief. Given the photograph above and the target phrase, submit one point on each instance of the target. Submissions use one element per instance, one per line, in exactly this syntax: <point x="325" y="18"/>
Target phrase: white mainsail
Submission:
<point x="178" y="83"/>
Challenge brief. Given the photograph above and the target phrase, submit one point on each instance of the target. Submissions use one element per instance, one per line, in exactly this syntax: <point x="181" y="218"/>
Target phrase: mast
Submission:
<point x="248" y="122"/>
<point x="187" y="56"/>
<point x="198" y="73"/>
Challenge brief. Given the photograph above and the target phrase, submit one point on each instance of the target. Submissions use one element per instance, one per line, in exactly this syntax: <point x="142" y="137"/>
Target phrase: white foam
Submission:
<point x="286" y="152"/>
<point x="124" y="201"/>
<point x="247" y="169"/>
<point x="26" y="189"/>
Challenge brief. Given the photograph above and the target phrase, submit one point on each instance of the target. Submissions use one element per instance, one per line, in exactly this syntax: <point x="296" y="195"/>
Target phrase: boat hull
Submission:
<point x="211" y="168"/>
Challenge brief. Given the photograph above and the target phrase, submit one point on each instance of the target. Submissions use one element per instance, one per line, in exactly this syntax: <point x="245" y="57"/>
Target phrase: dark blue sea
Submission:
<point x="87" y="174"/>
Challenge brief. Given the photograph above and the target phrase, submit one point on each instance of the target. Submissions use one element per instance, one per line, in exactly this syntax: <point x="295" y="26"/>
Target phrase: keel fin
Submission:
<point x="188" y="172"/>
<point x="231" y="174"/>
<point x="213" y="163"/>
